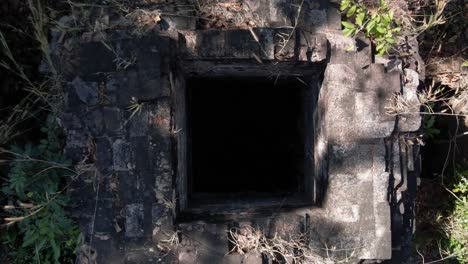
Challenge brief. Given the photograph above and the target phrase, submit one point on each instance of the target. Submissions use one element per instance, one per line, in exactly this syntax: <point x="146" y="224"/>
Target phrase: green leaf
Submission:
<point x="56" y="250"/>
<point x="370" y="26"/>
<point x="386" y="19"/>
<point x="351" y="11"/>
<point x="348" y="32"/>
<point x="377" y="19"/>
<point x="380" y="39"/>
<point x="380" y="29"/>
<point x="347" y="24"/>
<point x="381" y="53"/>
<point x="360" y="19"/>
<point x="430" y="122"/>
<point x="29" y="239"/>
<point x="344" y="4"/>
<point x="390" y="40"/>
<point x="380" y="46"/>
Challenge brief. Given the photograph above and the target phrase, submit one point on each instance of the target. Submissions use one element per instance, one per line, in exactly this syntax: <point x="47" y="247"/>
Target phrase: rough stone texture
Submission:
<point x="411" y="121"/>
<point x="126" y="130"/>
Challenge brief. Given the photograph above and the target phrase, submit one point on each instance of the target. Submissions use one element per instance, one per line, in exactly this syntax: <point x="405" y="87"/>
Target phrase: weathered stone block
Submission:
<point x="267" y="44"/>
<point x="333" y="19"/>
<point x="375" y="79"/>
<point x="144" y="83"/>
<point x="138" y="124"/>
<point x="187" y="256"/>
<point x="111" y="84"/>
<point x="121" y="155"/>
<point x="87" y="92"/>
<point x="210" y="43"/>
<point x="143" y="251"/>
<point x="104" y="215"/>
<point x="152" y="85"/>
<point x="160" y="119"/>
<point x="76" y="139"/>
<point x="235" y="43"/>
<point x="368" y="107"/>
<point x="313" y="47"/>
<point x="285" y="46"/>
<point x="84" y="192"/>
<point x="375" y="130"/>
<point x="383" y="245"/>
<point x="95" y="57"/>
<point x="411" y="120"/>
<point x="150" y="88"/>
<point x="314" y="19"/>
<point x="127" y="87"/>
<point x="71" y="121"/>
<point x="112" y="118"/>
<point x="159" y="212"/>
<point x="347" y="214"/>
<point x="131" y="187"/>
<point x="163" y="171"/>
<point x="108" y="251"/>
<point x="134" y="217"/>
<point x="240" y="44"/>
<point x="140" y="150"/>
<point x="340" y="100"/>
<point x="93" y="120"/>
<point x="104" y="161"/>
<point x="352" y="159"/>
<point x="149" y="57"/>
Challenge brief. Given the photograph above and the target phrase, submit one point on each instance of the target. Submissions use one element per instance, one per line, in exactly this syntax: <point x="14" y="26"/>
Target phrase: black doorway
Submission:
<point x="246" y="136"/>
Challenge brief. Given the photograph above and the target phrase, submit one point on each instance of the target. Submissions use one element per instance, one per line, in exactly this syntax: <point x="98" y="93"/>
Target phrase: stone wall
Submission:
<point x="125" y="121"/>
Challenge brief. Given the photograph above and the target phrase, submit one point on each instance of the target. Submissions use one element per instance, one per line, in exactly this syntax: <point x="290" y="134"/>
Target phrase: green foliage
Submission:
<point x="377" y="24"/>
<point x="443" y="222"/>
<point x="458" y="227"/>
<point x="430" y="131"/>
<point x="40" y="230"/>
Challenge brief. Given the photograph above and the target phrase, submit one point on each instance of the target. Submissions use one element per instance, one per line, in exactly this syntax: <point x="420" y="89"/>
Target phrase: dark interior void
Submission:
<point x="246" y="135"/>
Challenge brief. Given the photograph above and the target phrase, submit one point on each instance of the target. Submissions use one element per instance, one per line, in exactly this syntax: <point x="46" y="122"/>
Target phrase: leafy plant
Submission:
<point x="39" y="229"/>
<point x="377" y="24"/>
<point x="457" y="228"/>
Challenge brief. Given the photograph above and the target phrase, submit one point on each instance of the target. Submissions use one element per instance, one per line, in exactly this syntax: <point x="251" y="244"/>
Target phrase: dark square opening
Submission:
<point x="246" y="138"/>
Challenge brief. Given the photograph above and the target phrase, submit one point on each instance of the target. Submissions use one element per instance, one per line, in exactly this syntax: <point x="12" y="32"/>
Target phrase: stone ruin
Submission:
<point x="192" y="135"/>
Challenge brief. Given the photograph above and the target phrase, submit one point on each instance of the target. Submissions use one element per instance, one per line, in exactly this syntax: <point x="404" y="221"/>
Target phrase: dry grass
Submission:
<point x="162" y="199"/>
<point x="422" y="23"/>
<point x="86" y="255"/>
<point x="234" y="14"/>
<point x="294" y="249"/>
<point x="46" y="95"/>
<point x="447" y="100"/>
<point x="168" y="242"/>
